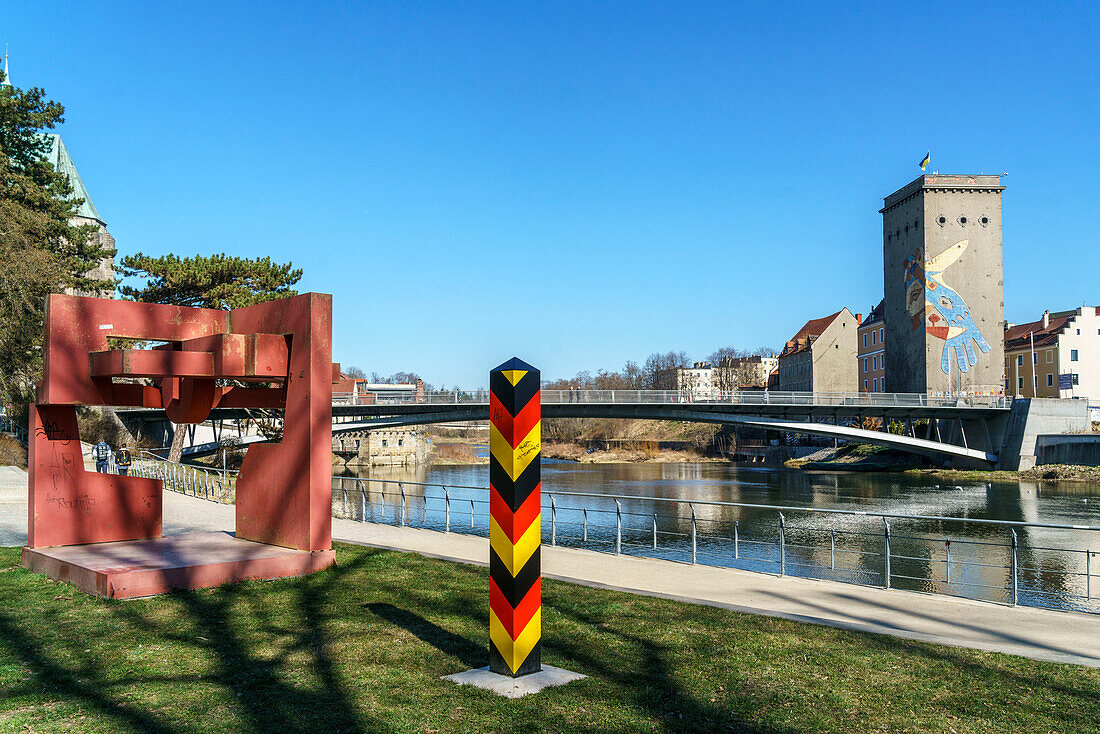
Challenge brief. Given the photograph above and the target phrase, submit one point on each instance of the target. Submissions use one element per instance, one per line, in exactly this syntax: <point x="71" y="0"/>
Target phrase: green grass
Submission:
<point x="362" y="647"/>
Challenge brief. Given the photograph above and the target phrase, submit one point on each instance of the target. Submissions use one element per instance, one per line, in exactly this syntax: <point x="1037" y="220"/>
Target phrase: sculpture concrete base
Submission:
<point x="509" y="687"/>
<point x="131" y="568"/>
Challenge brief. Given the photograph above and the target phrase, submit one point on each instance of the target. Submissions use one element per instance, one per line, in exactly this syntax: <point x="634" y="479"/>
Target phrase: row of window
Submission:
<point x="876" y="362"/>
<point x="877" y="384"/>
<point x="878" y="336"/>
<point x="1050" y="357"/>
<point x="941" y="220"/>
<point x="1035" y="381"/>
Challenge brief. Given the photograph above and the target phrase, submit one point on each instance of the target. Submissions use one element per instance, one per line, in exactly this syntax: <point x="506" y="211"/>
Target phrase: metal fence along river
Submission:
<point x="1040" y="564"/>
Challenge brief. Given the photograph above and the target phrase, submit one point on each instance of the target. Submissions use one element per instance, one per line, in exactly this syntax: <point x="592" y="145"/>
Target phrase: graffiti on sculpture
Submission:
<point x="943" y="313"/>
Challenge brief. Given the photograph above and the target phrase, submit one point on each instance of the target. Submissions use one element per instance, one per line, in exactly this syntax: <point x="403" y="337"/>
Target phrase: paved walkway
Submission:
<point x="1034" y="633"/>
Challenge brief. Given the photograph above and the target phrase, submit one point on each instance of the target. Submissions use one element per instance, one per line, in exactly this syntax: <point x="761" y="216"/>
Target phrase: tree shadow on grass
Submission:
<point x="652" y="682"/>
<point x="266" y="699"/>
<point x="647" y="681"/>
<point x="999" y="675"/>
<point x="468" y="652"/>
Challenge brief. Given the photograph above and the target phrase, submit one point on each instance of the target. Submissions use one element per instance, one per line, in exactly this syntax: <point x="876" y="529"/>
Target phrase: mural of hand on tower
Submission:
<point x="943" y="311"/>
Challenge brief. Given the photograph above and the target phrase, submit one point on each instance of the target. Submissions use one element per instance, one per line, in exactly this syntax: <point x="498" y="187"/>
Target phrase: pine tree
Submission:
<point x="215" y="281"/>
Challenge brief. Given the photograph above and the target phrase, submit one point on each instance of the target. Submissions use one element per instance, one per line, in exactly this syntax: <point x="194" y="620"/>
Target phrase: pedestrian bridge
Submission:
<point x="956" y="427"/>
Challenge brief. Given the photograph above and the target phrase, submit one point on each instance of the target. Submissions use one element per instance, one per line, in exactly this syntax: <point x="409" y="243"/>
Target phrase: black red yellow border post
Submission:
<point x="515" y="530"/>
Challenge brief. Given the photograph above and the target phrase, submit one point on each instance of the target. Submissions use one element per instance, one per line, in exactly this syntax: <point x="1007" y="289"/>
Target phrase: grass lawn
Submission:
<point x="362" y="648"/>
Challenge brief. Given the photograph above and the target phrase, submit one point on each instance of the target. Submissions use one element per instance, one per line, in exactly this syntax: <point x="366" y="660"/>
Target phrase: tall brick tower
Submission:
<point x="944" y="285"/>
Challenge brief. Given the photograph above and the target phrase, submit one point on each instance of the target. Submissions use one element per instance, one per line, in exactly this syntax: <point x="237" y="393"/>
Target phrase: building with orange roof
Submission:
<point x="821" y="356"/>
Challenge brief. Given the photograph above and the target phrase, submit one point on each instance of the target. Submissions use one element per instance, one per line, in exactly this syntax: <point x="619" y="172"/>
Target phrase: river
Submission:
<point x="1057" y="568"/>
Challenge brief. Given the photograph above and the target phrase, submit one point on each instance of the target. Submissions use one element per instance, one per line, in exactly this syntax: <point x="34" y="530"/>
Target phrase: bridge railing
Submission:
<point x="982" y="399"/>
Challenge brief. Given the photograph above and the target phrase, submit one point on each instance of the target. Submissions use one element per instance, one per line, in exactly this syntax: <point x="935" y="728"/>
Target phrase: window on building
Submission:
<point x="865" y="386"/>
<point x="874" y="362"/>
<point x="1078" y="332"/>
<point x="400" y="442"/>
<point x="383" y="443"/>
<point x="874" y="337"/>
<point x="1050" y="356"/>
<point x="1019" y="383"/>
<point x="865" y="339"/>
<point x="1073" y="355"/>
<point x="1034" y="358"/>
<point x="864" y="364"/>
<point x="1050" y="380"/>
<point x="881" y="334"/>
<point x="1019" y="360"/>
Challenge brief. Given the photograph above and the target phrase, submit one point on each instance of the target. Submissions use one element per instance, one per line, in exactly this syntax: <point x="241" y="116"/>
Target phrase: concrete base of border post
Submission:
<point x="509" y="687"/>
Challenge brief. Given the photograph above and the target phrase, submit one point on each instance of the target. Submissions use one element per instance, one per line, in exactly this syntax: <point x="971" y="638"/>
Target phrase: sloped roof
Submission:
<point x="58" y="155"/>
<point x="811" y="331"/>
<point x="876" y="313"/>
<point x="1020" y="334"/>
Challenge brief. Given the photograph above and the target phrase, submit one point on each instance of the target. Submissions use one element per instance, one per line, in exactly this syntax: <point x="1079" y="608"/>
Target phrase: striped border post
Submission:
<point x="515" y="531"/>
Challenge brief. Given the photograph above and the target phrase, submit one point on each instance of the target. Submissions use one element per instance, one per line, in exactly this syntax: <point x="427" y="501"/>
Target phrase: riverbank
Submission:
<point x="1046" y="472"/>
<point x="642" y="455"/>
<point x="865" y="458"/>
<point x="363" y="645"/>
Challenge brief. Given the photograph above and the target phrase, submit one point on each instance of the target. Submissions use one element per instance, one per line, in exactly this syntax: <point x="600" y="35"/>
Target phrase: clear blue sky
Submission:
<point x="575" y="185"/>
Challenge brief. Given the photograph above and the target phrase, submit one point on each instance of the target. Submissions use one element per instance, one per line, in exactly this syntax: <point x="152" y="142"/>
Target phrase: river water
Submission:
<point x="1053" y="567"/>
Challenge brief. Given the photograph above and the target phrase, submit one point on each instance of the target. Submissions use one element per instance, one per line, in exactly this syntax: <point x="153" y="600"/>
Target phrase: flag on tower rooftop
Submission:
<point x="924" y="161"/>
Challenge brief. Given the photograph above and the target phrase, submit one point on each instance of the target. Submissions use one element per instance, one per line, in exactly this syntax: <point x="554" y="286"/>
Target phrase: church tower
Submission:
<point x="86" y="213"/>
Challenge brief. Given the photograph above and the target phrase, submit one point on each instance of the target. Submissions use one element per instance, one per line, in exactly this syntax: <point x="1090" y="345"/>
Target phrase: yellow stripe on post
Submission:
<point x="515" y="652"/>
<point x="515" y="556"/>
<point x="515" y="460"/>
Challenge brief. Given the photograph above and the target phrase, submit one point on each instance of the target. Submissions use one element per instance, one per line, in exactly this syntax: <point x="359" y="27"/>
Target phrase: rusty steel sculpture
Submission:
<point x="274" y="355"/>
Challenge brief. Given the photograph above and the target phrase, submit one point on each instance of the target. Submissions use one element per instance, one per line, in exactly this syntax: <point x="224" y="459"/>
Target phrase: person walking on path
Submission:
<point x="123" y="461"/>
<point x="102" y="453"/>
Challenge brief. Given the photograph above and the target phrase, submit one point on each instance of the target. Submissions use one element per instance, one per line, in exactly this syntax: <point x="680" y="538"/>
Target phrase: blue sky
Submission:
<point x="576" y="185"/>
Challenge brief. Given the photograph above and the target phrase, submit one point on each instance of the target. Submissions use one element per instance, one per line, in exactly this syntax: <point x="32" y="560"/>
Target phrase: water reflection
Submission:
<point x="927" y="555"/>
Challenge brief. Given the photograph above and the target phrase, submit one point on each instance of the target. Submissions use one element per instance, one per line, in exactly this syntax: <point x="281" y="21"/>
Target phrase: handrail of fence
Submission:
<point x="961" y="576"/>
<point x="12" y="427"/>
<point x="867" y="556"/>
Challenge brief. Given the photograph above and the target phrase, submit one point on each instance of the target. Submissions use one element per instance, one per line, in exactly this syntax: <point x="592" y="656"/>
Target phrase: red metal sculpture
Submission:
<point x="283" y="347"/>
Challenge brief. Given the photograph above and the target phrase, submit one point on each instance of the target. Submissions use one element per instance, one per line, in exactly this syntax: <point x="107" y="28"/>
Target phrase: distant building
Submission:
<point x="744" y="373"/>
<point x="1057" y="356"/>
<point x="871" y="351"/>
<point x="360" y="391"/>
<point x="696" y="381"/>
<point x="821" y="356"/>
<point x="86" y="213"/>
<point x="943" y="285"/>
<point x="398" y="446"/>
